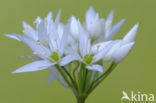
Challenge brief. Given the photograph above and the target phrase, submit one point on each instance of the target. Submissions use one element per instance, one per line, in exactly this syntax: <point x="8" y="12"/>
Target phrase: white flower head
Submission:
<point x="57" y="45"/>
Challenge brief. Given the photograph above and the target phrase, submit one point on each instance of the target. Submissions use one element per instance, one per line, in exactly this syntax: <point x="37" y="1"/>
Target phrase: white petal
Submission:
<point x="59" y="77"/>
<point x="42" y="32"/>
<point x="12" y="36"/>
<point x="54" y="39"/>
<point x="85" y="43"/>
<point x="109" y="54"/>
<point x="130" y="36"/>
<point x="46" y="26"/>
<point x="98" y="47"/>
<point x="95" y="68"/>
<point x="54" y="43"/>
<point x="34" y="66"/>
<point x="60" y="30"/>
<point x="115" y="29"/>
<point x="51" y="76"/>
<point x="69" y="58"/>
<point x="74" y="29"/>
<point x="58" y="17"/>
<point x="37" y="21"/>
<point x="29" y="31"/>
<point x="35" y="58"/>
<point x="122" y="52"/>
<point x="41" y="50"/>
<point x="91" y="17"/>
<point x="109" y="20"/>
<point x="103" y="52"/>
<point x="64" y="39"/>
<point x="97" y="29"/>
<point x="49" y="16"/>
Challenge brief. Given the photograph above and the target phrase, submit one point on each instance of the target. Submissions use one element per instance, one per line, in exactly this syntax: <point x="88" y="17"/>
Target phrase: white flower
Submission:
<point x="120" y="48"/>
<point x="110" y="30"/>
<point x="48" y="42"/>
<point x="74" y="27"/>
<point x="55" y="44"/>
<point x="100" y="29"/>
<point x="42" y="28"/>
<point x="94" y="24"/>
<point x="86" y="53"/>
<point x="126" y="45"/>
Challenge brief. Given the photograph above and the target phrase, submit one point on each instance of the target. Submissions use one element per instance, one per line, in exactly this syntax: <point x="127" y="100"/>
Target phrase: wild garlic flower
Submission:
<point x="48" y="42"/>
<point x="75" y="53"/>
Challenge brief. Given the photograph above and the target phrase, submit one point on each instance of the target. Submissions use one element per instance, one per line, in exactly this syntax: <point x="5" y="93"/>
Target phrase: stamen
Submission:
<point x="36" y="22"/>
<point x="99" y="46"/>
<point x="55" y="39"/>
<point x="44" y="53"/>
<point x="46" y="21"/>
<point x="35" y="53"/>
<point x="38" y="42"/>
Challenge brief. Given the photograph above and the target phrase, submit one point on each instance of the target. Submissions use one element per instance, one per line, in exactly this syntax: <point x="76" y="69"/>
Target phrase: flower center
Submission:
<point x="55" y="56"/>
<point x="88" y="58"/>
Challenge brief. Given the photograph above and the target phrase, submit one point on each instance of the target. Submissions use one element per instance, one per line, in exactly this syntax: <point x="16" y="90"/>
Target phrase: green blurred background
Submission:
<point x="137" y="72"/>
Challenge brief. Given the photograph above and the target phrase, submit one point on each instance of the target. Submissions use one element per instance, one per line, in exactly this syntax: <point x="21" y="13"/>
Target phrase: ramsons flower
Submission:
<point x="101" y="29"/>
<point x="75" y="53"/>
<point x="85" y="52"/>
<point x="49" y="48"/>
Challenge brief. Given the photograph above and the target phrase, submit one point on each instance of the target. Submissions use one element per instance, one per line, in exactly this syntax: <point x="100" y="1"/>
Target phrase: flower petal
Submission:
<point x="59" y="77"/>
<point x="98" y="47"/>
<point x="64" y="39"/>
<point x="109" y="20"/>
<point x="51" y="76"/>
<point x="103" y="52"/>
<point x="95" y="68"/>
<point x="34" y="66"/>
<point x="74" y="28"/>
<point x="115" y="29"/>
<point x="37" y="21"/>
<point x="49" y="16"/>
<point x="91" y="17"/>
<point x="29" y="31"/>
<point x="97" y="29"/>
<point x="122" y="52"/>
<point x="12" y="36"/>
<point x="38" y="48"/>
<point x="42" y="32"/>
<point x="109" y="54"/>
<point x="69" y="58"/>
<point x="58" y="17"/>
<point x="130" y="36"/>
<point x="85" y="42"/>
<point x="32" y="57"/>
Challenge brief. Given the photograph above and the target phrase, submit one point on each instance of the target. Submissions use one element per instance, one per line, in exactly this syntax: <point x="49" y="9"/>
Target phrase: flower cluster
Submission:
<point x="75" y="53"/>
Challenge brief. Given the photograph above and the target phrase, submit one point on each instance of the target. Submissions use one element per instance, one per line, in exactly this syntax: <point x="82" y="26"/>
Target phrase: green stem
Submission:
<point x="73" y="82"/>
<point x="74" y="74"/>
<point x="101" y="78"/>
<point x="75" y="77"/>
<point x="81" y="99"/>
<point x="63" y="75"/>
<point x="81" y="78"/>
<point x="85" y="79"/>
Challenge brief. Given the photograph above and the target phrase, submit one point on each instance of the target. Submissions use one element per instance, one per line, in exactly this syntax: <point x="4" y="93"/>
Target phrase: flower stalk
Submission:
<point x="81" y="99"/>
<point x="95" y="83"/>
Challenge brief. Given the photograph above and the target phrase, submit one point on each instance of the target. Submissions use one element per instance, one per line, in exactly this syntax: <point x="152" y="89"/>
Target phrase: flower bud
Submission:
<point x="122" y="52"/>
